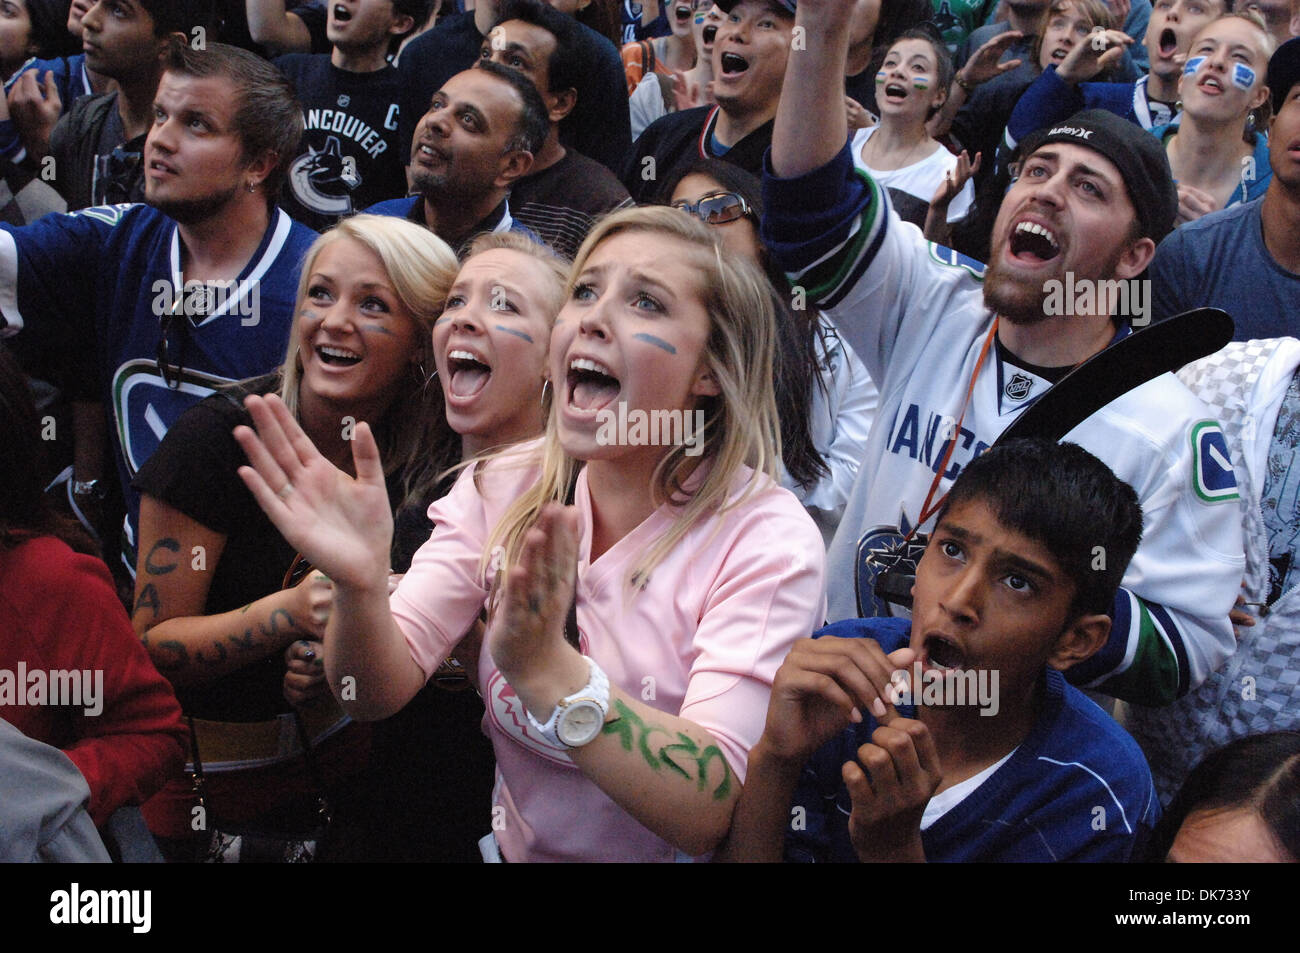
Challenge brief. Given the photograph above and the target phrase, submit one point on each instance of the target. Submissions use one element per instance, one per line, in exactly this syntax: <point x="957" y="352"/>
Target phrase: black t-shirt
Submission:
<point x="598" y="127"/>
<point x="350" y="156"/>
<point x="195" y="470"/>
<point x="682" y="138"/>
<point x="560" y="204"/>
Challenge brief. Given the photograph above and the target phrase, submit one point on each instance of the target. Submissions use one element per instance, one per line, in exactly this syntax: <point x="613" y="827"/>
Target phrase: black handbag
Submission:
<point x="293" y="835"/>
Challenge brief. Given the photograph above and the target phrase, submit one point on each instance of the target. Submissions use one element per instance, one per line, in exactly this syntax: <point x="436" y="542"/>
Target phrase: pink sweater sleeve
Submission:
<point x="441" y="595"/>
<point x="768" y="592"/>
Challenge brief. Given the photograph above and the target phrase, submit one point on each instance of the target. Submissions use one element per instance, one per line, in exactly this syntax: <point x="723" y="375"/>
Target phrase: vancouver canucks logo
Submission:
<point x="879" y="550"/>
<point x="323" y="180"/>
<point x="1018" y="387"/>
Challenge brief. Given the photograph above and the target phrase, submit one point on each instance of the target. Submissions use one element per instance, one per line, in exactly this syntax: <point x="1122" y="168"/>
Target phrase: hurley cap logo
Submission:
<point x="1071" y="131"/>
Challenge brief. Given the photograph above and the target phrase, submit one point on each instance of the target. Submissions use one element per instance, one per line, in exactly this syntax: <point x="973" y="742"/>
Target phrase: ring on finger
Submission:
<point x="284" y="491"/>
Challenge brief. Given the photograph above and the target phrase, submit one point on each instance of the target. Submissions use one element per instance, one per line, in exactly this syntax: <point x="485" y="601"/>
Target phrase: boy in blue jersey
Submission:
<point x="191" y="290"/>
<point x="955" y="737"/>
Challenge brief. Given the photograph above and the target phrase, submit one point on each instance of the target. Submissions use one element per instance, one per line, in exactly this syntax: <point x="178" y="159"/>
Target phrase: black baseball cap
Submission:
<point x="1284" y="72"/>
<point x="786" y="5"/>
<point x="1138" y="155"/>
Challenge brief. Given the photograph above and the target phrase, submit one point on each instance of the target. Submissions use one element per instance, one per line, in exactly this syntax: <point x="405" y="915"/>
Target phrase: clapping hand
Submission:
<point x="341" y="524"/>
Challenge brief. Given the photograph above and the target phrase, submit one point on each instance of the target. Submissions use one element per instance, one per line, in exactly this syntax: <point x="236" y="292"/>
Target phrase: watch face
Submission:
<point x="580" y="723"/>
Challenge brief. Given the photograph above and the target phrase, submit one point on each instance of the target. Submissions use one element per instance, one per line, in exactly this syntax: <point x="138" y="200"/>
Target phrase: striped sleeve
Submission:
<point x="1145" y="658"/>
<point x="824" y="228"/>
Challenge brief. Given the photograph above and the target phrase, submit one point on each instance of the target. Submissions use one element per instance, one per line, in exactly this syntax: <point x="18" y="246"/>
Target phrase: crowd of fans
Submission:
<point x="573" y="431"/>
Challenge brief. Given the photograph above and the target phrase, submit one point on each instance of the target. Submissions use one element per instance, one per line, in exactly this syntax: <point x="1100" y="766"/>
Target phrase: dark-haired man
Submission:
<point x="476" y="140"/>
<point x="97" y="146"/>
<point x="564" y="192"/>
<point x="192" y="290"/>
<point x="749" y="60"/>
<point x="959" y="353"/>
<point x="598" y="126"/>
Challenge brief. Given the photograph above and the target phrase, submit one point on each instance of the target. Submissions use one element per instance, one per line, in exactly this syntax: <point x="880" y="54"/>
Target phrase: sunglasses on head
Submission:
<point x="717" y="208"/>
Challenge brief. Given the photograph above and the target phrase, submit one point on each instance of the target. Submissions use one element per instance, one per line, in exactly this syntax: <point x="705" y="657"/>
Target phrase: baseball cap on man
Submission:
<point x="1284" y="72"/>
<point x="785" y="5"/>
<point x="1138" y="155"/>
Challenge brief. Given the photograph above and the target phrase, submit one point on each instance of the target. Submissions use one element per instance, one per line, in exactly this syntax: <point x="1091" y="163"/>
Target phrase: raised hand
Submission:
<point x="823" y="686"/>
<point x="342" y="525"/>
<point x="526" y="632"/>
<point x="35" y="108"/>
<point x="902" y="774"/>
<point x="1194" y="203"/>
<point x="985" y="63"/>
<point x="1101" y="50"/>
<point x="857" y="116"/>
<point x="956" y="179"/>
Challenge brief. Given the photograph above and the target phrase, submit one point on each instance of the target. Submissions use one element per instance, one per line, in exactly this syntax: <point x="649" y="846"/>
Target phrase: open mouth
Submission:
<point x="1168" y="42"/>
<point x="710" y="34"/>
<point x="943" y="653"/>
<point x="732" y="64"/>
<point x="469" y="373"/>
<point x="682" y="12"/>
<point x="337" y="356"/>
<point x="341" y="13"/>
<point x="895" y="91"/>
<point x="590" y="385"/>
<point x="1210" y="83"/>
<point x="1034" y="242"/>
<point x="1059" y="54"/>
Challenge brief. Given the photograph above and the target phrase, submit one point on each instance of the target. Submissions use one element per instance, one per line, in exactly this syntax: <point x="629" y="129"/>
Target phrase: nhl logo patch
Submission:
<point x="1018" y="387"/>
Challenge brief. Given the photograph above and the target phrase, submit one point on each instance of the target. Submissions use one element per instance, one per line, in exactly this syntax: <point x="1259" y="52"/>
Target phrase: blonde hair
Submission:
<point x="555" y="266"/>
<point x="1096" y="11"/>
<point x="1262" y="113"/>
<point x="421" y="268"/>
<point x="445" y="452"/>
<point x="741" y="427"/>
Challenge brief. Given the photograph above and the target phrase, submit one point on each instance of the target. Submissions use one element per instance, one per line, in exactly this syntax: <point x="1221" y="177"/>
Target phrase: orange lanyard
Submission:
<point x="927" y="510"/>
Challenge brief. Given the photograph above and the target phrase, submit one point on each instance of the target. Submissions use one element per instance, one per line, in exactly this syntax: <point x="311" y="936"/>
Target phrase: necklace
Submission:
<point x="907" y="158"/>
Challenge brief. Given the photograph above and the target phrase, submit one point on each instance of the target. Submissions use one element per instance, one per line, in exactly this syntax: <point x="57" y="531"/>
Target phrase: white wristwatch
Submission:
<point x="578" y="718"/>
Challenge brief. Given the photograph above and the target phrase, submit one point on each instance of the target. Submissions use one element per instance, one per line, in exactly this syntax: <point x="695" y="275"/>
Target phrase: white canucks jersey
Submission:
<point x="915" y="314"/>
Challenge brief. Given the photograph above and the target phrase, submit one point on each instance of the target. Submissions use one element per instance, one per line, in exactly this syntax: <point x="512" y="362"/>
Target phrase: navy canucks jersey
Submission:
<point x="110" y="278"/>
<point x="350" y="157"/>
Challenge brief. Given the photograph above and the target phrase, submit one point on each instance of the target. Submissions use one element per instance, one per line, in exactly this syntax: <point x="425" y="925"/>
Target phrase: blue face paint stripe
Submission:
<point x="1193" y="65"/>
<point x="516" y="332"/>
<point x="880" y="78"/>
<point x="375" y="328"/>
<point x="1243" y="77"/>
<point x="657" y="342"/>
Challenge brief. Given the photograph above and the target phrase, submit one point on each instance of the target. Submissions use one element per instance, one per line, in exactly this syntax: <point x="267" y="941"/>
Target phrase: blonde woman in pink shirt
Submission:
<point x="621" y="728"/>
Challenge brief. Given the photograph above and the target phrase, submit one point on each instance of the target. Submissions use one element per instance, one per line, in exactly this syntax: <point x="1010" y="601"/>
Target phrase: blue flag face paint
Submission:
<point x="921" y="82"/>
<point x="1193" y="65"/>
<point x="1243" y="77"/>
<point x="880" y="78"/>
